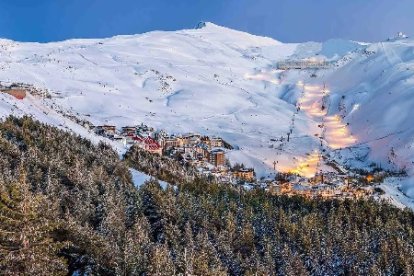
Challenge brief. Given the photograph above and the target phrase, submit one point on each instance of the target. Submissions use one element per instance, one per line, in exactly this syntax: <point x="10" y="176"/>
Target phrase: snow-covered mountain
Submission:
<point x="218" y="81"/>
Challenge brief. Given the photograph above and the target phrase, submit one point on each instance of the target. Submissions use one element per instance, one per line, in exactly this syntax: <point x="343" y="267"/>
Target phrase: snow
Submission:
<point x="218" y="81"/>
<point x="337" y="48"/>
<point x="139" y="179"/>
<point x="399" y="192"/>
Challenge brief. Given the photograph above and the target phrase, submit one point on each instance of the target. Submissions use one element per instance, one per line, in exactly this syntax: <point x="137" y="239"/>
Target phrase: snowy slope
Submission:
<point x="219" y="81"/>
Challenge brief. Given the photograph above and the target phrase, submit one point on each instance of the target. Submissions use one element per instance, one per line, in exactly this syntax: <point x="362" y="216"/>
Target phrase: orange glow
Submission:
<point x="337" y="134"/>
<point x="307" y="166"/>
<point x="370" y="178"/>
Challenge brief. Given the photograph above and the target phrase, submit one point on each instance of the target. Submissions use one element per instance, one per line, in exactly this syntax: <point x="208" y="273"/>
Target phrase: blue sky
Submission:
<point x="285" y="20"/>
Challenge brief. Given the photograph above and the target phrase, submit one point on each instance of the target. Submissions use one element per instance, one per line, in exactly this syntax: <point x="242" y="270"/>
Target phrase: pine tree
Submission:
<point x="206" y="260"/>
<point x="160" y="263"/>
<point x="293" y="264"/>
<point x="27" y="244"/>
<point x="187" y="253"/>
<point x="268" y="259"/>
<point x="137" y="247"/>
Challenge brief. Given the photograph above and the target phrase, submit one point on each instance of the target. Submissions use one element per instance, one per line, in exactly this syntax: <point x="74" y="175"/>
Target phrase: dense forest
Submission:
<point x="70" y="207"/>
<point x="161" y="167"/>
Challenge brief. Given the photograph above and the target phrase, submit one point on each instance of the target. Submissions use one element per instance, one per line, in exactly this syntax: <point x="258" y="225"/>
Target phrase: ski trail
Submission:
<point x="333" y="131"/>
<point x="313" y="103"/>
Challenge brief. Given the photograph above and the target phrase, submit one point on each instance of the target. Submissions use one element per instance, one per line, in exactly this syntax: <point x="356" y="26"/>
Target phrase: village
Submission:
<point x="329" y="185"/>
<point x="208" y="155"/>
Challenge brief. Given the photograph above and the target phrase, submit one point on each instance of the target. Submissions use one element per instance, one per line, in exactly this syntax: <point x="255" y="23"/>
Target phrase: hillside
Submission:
<point x="68" y="207"/>
<point x="219" y="81"/>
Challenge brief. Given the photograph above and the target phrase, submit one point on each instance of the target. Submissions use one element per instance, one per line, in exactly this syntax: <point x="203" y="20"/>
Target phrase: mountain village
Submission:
<point x="208" y="155"/>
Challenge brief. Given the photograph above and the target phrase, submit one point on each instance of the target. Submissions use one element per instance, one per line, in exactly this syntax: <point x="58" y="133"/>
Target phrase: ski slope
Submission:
<point x="218" y="81"/>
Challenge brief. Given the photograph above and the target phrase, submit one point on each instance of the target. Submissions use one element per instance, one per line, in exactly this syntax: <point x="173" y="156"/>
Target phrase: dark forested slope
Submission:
<point x="66" y="205"/>
<point x="83" y="193"/>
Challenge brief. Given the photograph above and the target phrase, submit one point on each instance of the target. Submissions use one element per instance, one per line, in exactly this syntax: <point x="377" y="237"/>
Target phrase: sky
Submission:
<point x="284" y="20"/>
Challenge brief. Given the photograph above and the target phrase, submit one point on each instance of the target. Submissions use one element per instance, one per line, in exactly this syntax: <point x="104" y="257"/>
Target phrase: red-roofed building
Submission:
<point x="149" y="145"/>
<point x="137" y="139"/>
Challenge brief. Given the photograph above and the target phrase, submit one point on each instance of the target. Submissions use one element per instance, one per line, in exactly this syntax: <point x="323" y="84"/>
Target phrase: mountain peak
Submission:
<point x="208" y="25"/>
<point x="200" y="25"/>
<point x="228" y="35"/>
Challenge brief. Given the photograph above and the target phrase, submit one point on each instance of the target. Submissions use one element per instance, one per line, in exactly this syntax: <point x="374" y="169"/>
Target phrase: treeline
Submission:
<point x="67" y="207"/>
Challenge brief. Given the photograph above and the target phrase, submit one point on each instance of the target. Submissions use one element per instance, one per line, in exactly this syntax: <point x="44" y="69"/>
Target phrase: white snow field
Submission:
<point x="218" y="81"/>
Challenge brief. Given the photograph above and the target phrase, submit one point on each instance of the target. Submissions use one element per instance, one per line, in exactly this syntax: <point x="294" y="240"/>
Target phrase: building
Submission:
<point x="202" y="151"/>
<point x="190" y="139"/>
<point x="160" y="136"/>
<point x="17" y="92"/>
<point x="145" y="131"/>
<point x="217" y="157"/>
<point x="244" y="174"/>
<point x="148" y="144"/>
<point x="216" y="142"/>
<point x="171" y="142"/>
<point x="129" y="130"/>
<point x="106" y="130"/>
<point x="303" y="64"/>
<point x="206" y="140"/>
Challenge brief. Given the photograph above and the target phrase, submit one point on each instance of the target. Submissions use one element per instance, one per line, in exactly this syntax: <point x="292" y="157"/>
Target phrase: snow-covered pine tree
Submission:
<point x="27" y="234"/>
